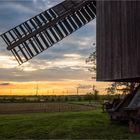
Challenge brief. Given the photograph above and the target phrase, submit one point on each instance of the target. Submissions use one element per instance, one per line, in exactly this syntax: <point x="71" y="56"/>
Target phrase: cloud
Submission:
<point x="4" y="84"/>
<point x="45" y="4"/>
<point x="7" y="62"/>
<point x="84" y="86"/>
<point x="64" y="60"/>
<point x="51" y="74"/>
<point x="73" y="56"/>
<point x="13" y="13"/>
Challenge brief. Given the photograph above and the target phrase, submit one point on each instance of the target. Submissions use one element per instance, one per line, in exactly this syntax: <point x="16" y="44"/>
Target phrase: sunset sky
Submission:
<point x="59" y="70"/>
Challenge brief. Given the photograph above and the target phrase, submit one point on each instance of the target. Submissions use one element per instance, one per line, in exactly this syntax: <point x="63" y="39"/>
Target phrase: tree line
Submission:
<point x="115" y="87"/>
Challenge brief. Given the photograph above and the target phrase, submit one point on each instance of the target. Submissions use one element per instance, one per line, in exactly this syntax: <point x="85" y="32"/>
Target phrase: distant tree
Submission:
<point x="24" y="99"/>
<point x="95" y="93"/>
<point x="59" y="99"/>
<point x="79" y="98"/>
<point x="12" y="100"/>
<point x="52" y="99"/>
<point x="46" y="99"/>
<point x="66" y="98"/>
<point x="124" y="87"/>
<point x="89" y="97"/>
<point x="92" y="61"/>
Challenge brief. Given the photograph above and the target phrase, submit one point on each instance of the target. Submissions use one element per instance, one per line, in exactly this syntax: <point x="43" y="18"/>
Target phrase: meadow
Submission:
<point x="89" y="124"/>
<point x="12" y="108"/>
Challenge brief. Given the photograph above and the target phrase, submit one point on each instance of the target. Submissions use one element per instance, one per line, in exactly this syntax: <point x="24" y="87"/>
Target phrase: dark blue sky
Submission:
<point x="65" y="60"/>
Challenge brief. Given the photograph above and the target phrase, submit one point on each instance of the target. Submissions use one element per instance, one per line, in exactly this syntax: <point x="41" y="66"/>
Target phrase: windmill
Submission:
<point x="37" y="34"/>
<point x="118" y="44"/>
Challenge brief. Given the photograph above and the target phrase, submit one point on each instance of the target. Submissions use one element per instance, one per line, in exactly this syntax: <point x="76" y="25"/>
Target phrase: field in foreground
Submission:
<point x="91" y="124"/>
<point x="10" y="108"/>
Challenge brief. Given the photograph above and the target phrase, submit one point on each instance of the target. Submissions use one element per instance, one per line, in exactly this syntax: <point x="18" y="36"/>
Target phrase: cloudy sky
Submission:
<point x="60" y="68"/>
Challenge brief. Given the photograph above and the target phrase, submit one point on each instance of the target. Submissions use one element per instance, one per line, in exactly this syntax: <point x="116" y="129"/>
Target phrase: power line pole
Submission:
<point x="77" y="90"/>
<point x="37" y="90"/>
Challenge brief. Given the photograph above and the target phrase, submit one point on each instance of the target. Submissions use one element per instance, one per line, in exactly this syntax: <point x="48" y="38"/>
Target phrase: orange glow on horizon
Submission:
<point x="68" y="87"/>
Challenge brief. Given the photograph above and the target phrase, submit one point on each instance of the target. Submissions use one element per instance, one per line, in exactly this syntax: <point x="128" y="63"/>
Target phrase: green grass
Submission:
<point x="96" y="103"/>
<point x="68" y="125"/>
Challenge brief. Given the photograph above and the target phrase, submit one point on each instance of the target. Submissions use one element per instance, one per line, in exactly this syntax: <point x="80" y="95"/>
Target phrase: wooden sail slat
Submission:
<point x="47" y="28"/>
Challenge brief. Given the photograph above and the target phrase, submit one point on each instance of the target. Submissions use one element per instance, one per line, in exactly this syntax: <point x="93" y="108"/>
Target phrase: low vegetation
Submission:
<point x="11" y="108"/>
<point x="91" y="124"/>
<point x="89" y="97"/>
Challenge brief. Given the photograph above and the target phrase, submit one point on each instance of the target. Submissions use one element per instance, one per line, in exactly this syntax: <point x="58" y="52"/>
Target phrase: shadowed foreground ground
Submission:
<point x="82" y="125"/>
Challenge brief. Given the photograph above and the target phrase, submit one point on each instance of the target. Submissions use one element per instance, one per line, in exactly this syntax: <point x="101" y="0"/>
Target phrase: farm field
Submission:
<point x="8" y="108"/>
<point x="92" y="103"/>
<point x="91" y="124"/>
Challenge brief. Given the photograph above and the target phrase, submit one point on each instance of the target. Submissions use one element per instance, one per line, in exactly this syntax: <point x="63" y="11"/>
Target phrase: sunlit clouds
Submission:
<point x="50" y="87"/>
<point x="58" y="70"/>
<point x="7" y="62"/>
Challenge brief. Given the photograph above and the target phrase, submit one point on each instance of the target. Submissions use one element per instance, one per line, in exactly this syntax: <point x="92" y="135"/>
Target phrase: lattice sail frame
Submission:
<point x="47" y="28"/>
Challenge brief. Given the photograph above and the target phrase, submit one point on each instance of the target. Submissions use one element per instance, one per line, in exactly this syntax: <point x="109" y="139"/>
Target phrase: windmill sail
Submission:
<point x="47" y="28"/>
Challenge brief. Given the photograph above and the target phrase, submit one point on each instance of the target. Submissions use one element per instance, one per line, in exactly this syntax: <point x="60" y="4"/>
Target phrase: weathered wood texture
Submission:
<point x="118" y="40"/>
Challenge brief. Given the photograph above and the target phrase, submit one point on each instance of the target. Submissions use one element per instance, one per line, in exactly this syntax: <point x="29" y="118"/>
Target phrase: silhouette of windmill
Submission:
<point x="47" y="28"/>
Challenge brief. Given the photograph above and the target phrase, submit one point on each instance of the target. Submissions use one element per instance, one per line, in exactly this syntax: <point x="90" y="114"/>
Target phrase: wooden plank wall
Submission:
<point x="118" y="40"/>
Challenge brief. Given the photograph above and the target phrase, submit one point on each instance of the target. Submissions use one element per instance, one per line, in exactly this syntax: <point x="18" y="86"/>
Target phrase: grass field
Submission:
<point x="12" y="108"/>
<point x="91" y="124"/>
